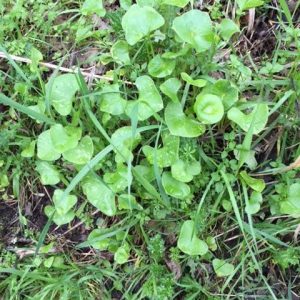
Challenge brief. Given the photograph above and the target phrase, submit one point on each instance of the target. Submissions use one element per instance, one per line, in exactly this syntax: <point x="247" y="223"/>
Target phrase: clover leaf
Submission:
<point x="45" y="147"/>
<point x="173" y="187"/>
<point x="185" y="171"/>
<point x="291" y="206"/>
<point x="222" y="268"/>
<point x="195" y="28"/>
<point x="165" y="156"/>
<point x="139" y="22"/>
<point x="48" y="173"/>
<point x="149" y="101"/>
<point x="179" y="124"/>
<point x="62" y="206"/>
<point x="196" y="82"/>
<point x="61" y="92"/>
<point x="161" y="67"/>
<point x="170" y="88"/>
<point x="82" y="153"/>
<point x="188" y="242"/>
<point x="209" y="108"/>
<point x="111" y="101"/>
<point x="99" y="195"/>
<point x="259" y="117"/>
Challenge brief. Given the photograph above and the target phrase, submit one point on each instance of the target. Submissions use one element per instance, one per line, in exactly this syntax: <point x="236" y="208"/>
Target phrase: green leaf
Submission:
<point x="111" y="101"/>
<point x="179" y="124"/>
<point x="196" y="82"/>
<point x="259" y="116"/>
<point x="62" y="206"/>
<point x="125" y="141"/>
<point x="209" y="108"/>
<point x="102" y="244"/>
<point x="126" y="201"/>
<point x="228" y="28"/>
<point x="179" y="3"/>
<point x="91" y="7"/>
<point x="247" y="4"/>
<point x="39" y="108"/>
<point x="256" y="184"/>
<point x="45" y="147"/>
<point x="195" y="28"/>
<point x="165" y="156"/>
<point x="188" y="242"/>
<point x="255" y="201"/>
<point x="82" y="153"/>
<point x="62" y="139"/>
<point x="59" y="219"/>
<point x="175" y="188"/>
<point x="122" y="254"/>
<point x="160" y="67"/>
<point x="149" y="101"/>
<point x="120" y="53"/>
<point x="61" y="92"/>
<point x="222" y="268"/>
<point x="99" y="195"/>
<point x="49" y="174"/>
<point x="225" y="90"/>
<point x="139" y="22"/>
<point x="185" y="171"/>
<point x="170" y="88"/>
<point x="119" y="180"/>
<point x="291" y="206"/>
<point x="28" y="151"/>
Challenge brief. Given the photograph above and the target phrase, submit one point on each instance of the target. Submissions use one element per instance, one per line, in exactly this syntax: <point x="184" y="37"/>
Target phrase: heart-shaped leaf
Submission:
<point x="139" y="21"/>
<point x="161" y="67"/>
<point x="62" y="206"/>
<point x="149" y="101"/>
<point x="170" y="88"/>
<point x="185" y="171"/>
<point x="179" y="124"/>
<point x="222" y="268"/>
<point x="49" y="174"/>
<point x="61" y="92"/>
<point x="59" y="220"/>
<point x="120" y="53"/>
<point x="82" y="153"/>
<point x="196" y="82"/>
<point x="175" y="188"/>
<point x="209" y="108"/>
<point x="62" y="139"/>
<point x="188" y="242"/>
<point x="259" y="117"/>
<point x="195" y="28"/>
<point x="45" y="147"/>
<point x="165" y="156"/>
<point x="111" y="100"/>
<point x="99" y="195"/>
<point x="91" y="7"/>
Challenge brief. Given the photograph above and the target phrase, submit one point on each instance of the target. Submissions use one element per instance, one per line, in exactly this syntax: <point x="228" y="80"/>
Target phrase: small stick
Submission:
<point x="62" y="69"/>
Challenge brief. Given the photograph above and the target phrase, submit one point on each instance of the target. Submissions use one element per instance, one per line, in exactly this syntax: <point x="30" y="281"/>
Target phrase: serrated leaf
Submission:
<point x="49" y="174"/>
<point x="173" y="187"/>
<point x="195" y="28"/>
<point x="209" y="108"/>
<point x="61" y="92"/>
<point x="161" y="67"/>
<point x="139" y="21"/>
<point x="179" y="124"/>
<point x="45" y="148"/>
<point x="99" y="195"/>
<point x="188" y="242"/>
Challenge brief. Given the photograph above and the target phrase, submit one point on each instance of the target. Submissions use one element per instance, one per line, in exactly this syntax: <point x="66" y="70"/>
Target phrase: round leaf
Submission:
<point x="209" y="108"/>
<point x="160" y="67"/>
<point x="91" y="7"/>
<point x="174" y="187"/>
<point x="98" y="244"/>
<point x="228" y="28"/>
<point x="120" y="53"/>
<point x="139" y="21"/>
<point x="222" y="268"/>
<point x="45" y="147"/>
<point x="195" y="28"/>
<point x="49" y="174"/>
<point x="179" y="124"/>
<point x="59" y="219"/>
<point x="185" y="171"/>
<point x="188" y="242"/>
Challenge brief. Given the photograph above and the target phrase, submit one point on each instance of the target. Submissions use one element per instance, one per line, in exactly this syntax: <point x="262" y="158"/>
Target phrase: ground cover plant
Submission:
<point x="149" y="149"/>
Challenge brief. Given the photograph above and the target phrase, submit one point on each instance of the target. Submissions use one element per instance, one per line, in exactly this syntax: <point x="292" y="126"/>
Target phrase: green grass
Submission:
<point x="108" y="193"/>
